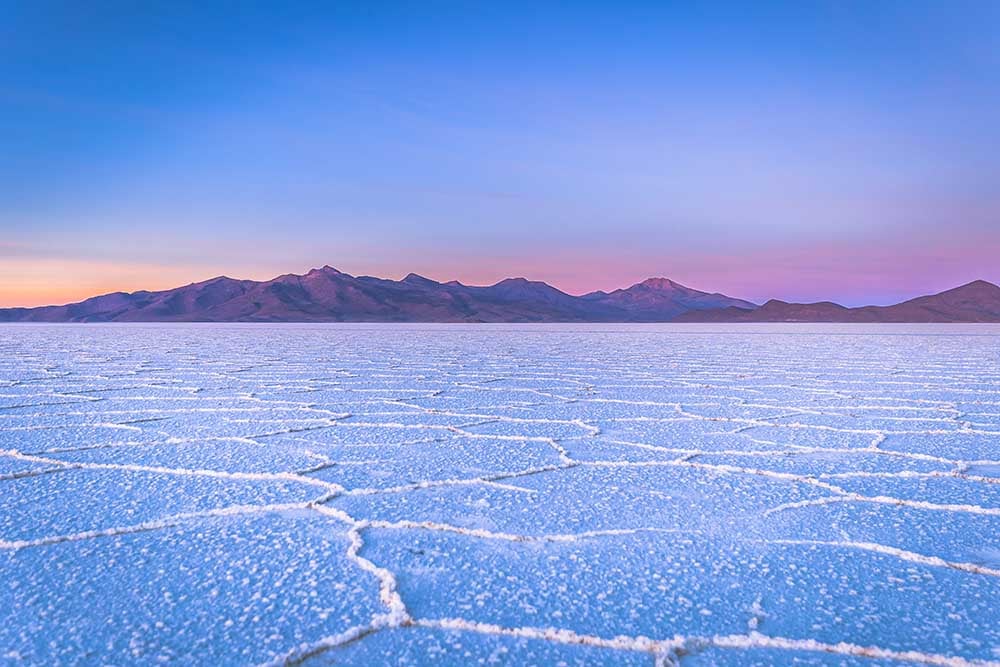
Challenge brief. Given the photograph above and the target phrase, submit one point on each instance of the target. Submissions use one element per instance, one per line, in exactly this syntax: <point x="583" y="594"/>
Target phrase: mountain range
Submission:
<point x="329" y="295"/>
<point x="978" y="301"/>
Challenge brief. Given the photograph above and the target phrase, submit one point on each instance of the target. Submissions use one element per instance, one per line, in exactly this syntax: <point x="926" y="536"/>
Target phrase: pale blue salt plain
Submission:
<point x="509" y="494"/>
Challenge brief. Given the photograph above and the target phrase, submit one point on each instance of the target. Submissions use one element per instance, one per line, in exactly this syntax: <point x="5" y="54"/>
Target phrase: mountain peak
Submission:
<point x="659" y="283"/>
<point x="660" y="299"/>
<point x="417" y="279"/>
<point x="326" y="268"/>
<point x="523" y="284"/>
<point x="978" y="284"/>
<point x="211" y="281"/>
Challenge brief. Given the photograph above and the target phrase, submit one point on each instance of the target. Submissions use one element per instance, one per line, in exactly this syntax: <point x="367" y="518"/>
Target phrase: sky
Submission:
<point x="802" y="150"/>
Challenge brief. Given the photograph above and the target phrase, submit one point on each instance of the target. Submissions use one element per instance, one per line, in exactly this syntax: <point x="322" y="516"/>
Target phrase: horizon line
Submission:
<point x="457" y="282"/>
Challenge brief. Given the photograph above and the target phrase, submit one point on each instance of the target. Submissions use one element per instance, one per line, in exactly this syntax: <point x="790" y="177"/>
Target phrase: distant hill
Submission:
<point x="977" y="301"/>
<point x="660" y="299"/>
<point x="329" y="295"/>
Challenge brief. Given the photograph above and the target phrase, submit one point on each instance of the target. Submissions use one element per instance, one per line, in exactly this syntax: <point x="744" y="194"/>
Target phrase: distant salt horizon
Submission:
<point x="29" y="281"/>
<point x="327" y="294"/>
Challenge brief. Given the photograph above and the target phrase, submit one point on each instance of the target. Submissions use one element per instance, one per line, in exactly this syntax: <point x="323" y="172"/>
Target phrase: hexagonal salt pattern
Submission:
<point x="521" y="494"/>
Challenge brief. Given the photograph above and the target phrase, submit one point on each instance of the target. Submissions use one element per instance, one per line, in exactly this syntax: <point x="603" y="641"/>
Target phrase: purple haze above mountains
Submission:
<point x="795" y="150"/>
<point x="329" y="295"/>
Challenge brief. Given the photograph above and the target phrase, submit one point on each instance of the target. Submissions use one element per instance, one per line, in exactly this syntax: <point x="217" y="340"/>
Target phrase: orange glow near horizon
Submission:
<point x="879" y="276"/>
<point x="30" y="282"/>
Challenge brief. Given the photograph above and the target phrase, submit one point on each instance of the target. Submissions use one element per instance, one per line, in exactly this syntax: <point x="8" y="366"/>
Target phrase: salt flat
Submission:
<point x="507" y="494"/>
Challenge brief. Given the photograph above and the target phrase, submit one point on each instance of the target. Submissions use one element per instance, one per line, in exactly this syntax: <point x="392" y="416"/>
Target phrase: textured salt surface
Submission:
<point x="660" y="495"/>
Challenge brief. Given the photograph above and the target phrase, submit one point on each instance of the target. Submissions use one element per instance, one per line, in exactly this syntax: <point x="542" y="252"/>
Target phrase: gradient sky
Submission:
<point x="799" y="150"/>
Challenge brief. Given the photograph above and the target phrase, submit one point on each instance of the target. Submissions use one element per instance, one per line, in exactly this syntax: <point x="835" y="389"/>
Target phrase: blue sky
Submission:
<point x="807" y="150"/>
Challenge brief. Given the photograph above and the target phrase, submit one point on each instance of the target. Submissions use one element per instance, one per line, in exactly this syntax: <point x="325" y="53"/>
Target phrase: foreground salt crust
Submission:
<point x="659" y="495"/>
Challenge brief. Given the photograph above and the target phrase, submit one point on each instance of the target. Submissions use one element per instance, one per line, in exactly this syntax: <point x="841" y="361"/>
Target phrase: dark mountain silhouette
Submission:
<point x="977" y="301"/>
<point x="328" y="295"/>
<point x="656" y="299"/>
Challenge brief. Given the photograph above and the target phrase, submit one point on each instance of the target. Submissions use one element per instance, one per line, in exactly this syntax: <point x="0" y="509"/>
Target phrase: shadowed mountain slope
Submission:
<point x="328" y="295"/>
<point x="656" y="298"/>
<point x="978" y="301"/>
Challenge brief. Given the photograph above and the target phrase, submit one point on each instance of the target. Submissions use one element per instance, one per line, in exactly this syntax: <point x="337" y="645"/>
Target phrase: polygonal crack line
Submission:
<point x="694" y="641"/>
<point x="184" y="472"/>
<point x="171" y="521"/>
<point x="851" y="497"/>
<point x="664" y="651"/>
<point x="747" y="423"/>
<point x="841" y="495"/>
<point x="911" y="474"/>
<point x="319" y="506"/>
<point x="900" y="554"/>
<point x="166" y="439"/>
<point x="484" y="479"/>
<point x="396" y="615"/>
<point x="685" y="456"/>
